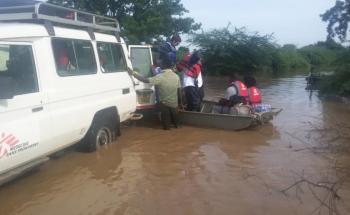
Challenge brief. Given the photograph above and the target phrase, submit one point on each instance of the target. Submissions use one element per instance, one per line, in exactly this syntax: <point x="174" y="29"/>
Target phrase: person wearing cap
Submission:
<point x="169" y="48"/>
<point x="168" y="84"/>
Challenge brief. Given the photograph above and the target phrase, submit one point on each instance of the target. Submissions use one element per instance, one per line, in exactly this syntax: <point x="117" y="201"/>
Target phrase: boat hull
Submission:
<point x="221" y="121"/>
<point x="206" y="118"/>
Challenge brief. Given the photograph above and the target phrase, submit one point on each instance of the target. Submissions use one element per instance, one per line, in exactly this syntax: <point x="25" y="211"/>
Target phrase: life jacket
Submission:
<point x="184" y="63"/>
<point x="242" y="88"/>
<point x="254" y="95"/>
<point x="192" y="71"/>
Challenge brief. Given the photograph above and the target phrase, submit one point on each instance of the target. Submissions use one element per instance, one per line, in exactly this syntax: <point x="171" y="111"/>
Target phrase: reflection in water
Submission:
<point x="310" y="94"/>
<point x="189" y="170"/>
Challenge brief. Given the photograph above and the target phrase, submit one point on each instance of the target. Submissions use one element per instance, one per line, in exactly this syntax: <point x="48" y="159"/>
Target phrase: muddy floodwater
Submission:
<point x="286" y="167"/>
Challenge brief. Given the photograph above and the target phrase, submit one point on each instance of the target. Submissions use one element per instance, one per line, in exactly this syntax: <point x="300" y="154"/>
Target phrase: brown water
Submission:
<point x="197" y="171"/>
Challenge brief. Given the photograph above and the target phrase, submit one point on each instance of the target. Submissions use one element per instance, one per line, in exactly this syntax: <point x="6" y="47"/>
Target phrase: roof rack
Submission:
<point x="57" y="14"/>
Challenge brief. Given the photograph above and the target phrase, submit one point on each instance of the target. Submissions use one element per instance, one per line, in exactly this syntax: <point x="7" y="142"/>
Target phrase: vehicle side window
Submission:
<point x="74" y="57"/>
<point x="111" y="57"/>
<point x="17" y="63"/>
<point x="85" y="57"/>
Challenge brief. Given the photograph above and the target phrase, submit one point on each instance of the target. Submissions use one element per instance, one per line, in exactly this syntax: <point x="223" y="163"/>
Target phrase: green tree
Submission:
<point x="322" y="55"/>
<point x="338" y="18"/>
<point x="141" y="20"/>
<point x="292" y="59"/>
<point x="339" y="82"/>
<point x="237" y="51"/>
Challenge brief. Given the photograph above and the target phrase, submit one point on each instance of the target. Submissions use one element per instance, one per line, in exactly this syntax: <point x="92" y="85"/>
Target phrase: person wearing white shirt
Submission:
<point x="192" y="81"/>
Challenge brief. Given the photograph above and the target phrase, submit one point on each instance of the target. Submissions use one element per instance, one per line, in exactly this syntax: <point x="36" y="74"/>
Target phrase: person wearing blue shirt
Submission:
<point x="169" y="48"/>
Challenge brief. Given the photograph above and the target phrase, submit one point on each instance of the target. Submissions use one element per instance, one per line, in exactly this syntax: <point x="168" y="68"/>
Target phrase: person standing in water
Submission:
<point x="168" y="84"/>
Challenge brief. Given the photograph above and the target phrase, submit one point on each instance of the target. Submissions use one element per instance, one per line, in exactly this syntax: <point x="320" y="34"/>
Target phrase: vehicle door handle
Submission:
<point x="126" y="91"/>
<point x="37" y="109"/>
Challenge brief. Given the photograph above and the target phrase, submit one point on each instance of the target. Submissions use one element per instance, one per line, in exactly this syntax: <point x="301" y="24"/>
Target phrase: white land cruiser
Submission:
<point x="63" y="79"/>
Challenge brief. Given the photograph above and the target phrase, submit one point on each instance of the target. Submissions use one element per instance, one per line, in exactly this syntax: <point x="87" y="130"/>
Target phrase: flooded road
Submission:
<point x="277" y="168"/>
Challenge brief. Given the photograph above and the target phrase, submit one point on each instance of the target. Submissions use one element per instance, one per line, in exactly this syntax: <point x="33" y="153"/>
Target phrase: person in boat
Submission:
<point x="241" y="87"/>
<point x="232" y="97"/>
<point x="254" y="93"/>
<point x="192" y="81"/>
<point x="168" y="83"/>
<point x="249" y="80"/>
<point x="169" y="48"/>
<point x="236" y="92"/>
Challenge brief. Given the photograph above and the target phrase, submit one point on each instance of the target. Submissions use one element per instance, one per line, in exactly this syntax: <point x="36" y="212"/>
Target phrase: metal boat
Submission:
<point x="206" y="118"/>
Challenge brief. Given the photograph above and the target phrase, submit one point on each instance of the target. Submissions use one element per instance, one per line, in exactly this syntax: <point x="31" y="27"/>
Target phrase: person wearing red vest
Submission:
<point x="191" y="68"/>
<point x="254" y="94"/>
<point x="242" y="90"/>
<point x="236" y="93"/>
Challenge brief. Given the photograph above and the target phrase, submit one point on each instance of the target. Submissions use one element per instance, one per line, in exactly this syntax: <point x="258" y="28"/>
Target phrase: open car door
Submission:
<point x="142" y="61"/>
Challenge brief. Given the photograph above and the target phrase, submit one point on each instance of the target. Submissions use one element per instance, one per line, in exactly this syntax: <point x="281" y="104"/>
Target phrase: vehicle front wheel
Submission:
<point x="99" y="134"/>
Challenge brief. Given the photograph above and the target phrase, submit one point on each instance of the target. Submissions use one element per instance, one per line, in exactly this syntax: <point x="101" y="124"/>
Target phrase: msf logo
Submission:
<point x="7" y="141"/>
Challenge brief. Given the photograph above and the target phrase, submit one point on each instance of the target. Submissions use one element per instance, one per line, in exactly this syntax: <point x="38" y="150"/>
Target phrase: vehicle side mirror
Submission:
<point x="7" y="89"/>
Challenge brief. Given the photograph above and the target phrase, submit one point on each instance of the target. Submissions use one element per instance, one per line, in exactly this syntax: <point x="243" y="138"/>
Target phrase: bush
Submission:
<point x="339" y="83"/>
<point x="238" y="51"/>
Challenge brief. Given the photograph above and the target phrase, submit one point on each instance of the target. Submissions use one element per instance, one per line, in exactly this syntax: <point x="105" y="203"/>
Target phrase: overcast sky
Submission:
<point x="292" y="21"/>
